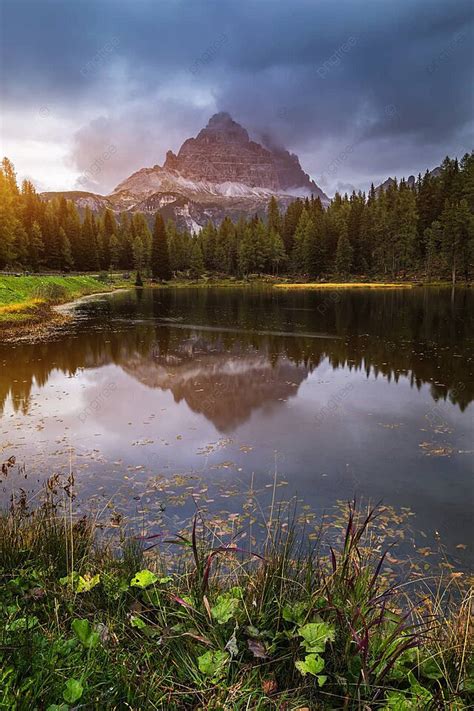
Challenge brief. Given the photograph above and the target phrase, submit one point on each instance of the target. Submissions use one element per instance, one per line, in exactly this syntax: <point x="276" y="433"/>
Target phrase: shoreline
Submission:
<point x="35" y="318"/>
<point x="65" y="307"/>
<point x="103" y="606"/>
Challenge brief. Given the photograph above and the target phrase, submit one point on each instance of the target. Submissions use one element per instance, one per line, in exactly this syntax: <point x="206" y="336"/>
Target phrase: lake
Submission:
<point x="154" y="396"/>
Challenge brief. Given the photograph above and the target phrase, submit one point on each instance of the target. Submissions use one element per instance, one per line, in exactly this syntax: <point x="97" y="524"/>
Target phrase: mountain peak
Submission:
<point x="223" y="153"/>
<point x="221" y="119"/>
<point x="219" y="172"/>
<point x="222" y="128"/>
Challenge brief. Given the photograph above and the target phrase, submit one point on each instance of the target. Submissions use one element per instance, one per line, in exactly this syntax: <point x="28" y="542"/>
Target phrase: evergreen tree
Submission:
<point x="160" y="259"/>
<point x="400" y="228"/>
<point x="9" y="221"/>
<point x="274" y="218"/>
<point x="89" y="253"/>
<point x="36" y="247"/>
<point x="246" y="252"/>
<point x="277" y="254"/>
<point x="196" y="262"/>
<point x="67" y="261"/>
<point x="344" y="256"/>
<point x="115" y="253"/>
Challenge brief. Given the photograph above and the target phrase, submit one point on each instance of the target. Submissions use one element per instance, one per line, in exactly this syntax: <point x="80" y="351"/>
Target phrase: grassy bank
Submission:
<point x="195" y="621"/>
<point x="22" y="298"/>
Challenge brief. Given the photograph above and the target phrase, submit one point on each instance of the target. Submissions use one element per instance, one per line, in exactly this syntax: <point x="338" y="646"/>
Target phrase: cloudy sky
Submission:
<point x="359" y="89"/>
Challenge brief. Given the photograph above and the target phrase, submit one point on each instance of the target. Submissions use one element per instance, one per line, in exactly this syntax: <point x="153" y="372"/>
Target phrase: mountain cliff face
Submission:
<point x="220" y="172"/>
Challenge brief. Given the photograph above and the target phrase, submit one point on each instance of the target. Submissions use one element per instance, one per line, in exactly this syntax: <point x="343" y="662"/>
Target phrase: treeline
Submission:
<point x="425" y="228"/>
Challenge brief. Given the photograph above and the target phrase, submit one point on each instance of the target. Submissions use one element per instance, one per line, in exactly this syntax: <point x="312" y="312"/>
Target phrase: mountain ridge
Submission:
<point x="220" y="172"/>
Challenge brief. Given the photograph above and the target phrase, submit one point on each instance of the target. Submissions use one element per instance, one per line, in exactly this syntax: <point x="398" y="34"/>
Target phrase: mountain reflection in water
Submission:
<point x="364" y="392"/>
<point x="425" y="336"/>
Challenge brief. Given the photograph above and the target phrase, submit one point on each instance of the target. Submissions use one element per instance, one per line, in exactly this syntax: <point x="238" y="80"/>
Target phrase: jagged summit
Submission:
<point x="222" y="154"/>
<point x="222" y="127"/>
<point x="219" y="172"/>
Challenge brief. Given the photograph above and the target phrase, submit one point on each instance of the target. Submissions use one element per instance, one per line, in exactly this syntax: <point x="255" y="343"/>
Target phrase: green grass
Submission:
<point x="21" y="297"/>
<point x="194" y="622"/>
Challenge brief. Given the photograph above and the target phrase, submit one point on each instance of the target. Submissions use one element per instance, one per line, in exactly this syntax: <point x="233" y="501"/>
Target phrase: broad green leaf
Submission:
<point x="137" y="622"/>
<point x="224" y="609"/>
<point x="80" y="583"/>
<point x="295" y="613"/>
<point x="422" y="694"/>
<point x="72" y="691"/>
<point x="315" y="635"/>
<point x="212" y="663"/>
<point x="21" y="623"/>
<point x="406" y="661"/>
<point x="397" y="701"/>
<point x="430" y="669"/>
<point x="71" y="579"/>
<point x="143" y="579"/>
<point x="87" y="582"/>
<point x="312" y="664"/>
<point x="83" y="630"/>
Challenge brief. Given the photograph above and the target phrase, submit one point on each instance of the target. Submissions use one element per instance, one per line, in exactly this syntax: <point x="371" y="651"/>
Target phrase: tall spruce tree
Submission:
<point x="160" y="258"/>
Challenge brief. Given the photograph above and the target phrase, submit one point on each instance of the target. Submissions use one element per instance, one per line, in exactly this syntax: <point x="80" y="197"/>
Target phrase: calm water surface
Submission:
<point x="366" y="392"/>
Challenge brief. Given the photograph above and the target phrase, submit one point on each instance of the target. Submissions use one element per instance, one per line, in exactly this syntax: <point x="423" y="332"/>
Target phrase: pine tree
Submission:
<point x="160" y="258"/>
<point x="208" y="241"/>
<point x="141" y="242"/>
<point x="67" y="261"/>
<point x="196" y="262"/>
<point x="125" y="241"/>
<point x="433" y="237"/>
<point x="108" y="230"/>
<point x="274" y="217"/>
<point x="290" y="223"/>
<point x="36" y="247"/>
<point x="89" y="253"/>
<point x="344" y="256"/>
<point x="298" y="255"/>
<point x="115" y="253"/>
<point x="138" y="249"/>
<point x="246" y="252"/>
<point x="277" y="254"/>
<point x="396" y="229"/>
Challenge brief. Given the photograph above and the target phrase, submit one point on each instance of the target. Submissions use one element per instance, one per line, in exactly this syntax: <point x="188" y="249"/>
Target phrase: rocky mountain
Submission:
<point x="219" y="172"/>
<point x="225" y="385"/>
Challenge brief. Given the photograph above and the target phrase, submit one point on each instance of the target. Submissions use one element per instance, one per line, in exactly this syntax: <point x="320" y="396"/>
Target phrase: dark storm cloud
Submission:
<point x="392" y="82"/>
